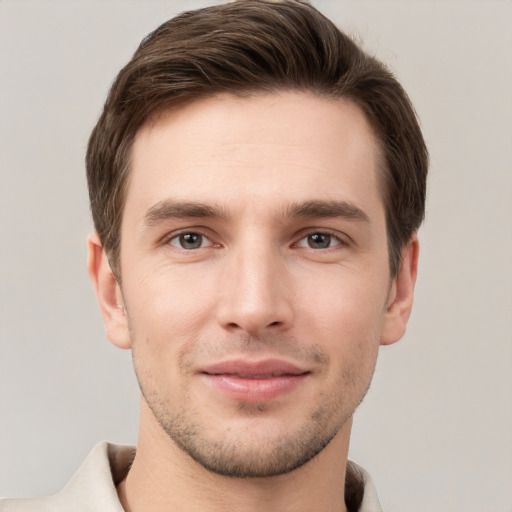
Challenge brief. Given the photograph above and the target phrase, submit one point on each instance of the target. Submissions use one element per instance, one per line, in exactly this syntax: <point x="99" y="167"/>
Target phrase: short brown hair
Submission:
<point x="255" y="46"/>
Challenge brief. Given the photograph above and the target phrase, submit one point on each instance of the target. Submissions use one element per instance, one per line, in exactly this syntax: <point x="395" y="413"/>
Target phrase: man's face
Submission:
<point x="255" y="275"/>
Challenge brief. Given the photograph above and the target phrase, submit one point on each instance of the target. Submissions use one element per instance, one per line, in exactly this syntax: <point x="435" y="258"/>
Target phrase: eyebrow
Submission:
<point x="170" y="209"/>
<point x="327" y="209"/>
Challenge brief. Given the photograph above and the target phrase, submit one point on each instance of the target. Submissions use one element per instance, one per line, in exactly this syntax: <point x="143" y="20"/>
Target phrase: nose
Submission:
<point x="256" y="295"/>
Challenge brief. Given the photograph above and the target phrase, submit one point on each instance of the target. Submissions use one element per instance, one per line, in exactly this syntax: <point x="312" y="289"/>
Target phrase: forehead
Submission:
<point x="280" y="147"/>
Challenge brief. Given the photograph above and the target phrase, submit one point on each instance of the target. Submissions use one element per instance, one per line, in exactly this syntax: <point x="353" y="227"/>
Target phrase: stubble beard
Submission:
<point x="236" y="454"/>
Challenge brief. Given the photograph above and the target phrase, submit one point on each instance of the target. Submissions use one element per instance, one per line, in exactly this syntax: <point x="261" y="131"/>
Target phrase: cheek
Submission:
<point x="348" y="307"/>
<point x="168" y="304"/>
<point x="345" y="316"/>
<point x="167" y="312"/>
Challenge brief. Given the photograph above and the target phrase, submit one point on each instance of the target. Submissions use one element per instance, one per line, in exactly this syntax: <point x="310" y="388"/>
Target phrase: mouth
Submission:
<point x="254" y="381"/>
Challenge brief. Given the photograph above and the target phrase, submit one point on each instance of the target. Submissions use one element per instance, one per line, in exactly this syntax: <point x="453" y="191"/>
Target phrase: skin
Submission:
<point x="290" y="262"/>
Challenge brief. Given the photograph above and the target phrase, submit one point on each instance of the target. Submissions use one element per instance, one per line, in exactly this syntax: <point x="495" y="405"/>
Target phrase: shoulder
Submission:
<point x="92" y="488"/>
<point x="360" y="492"/>
<point x="27" y="505"/>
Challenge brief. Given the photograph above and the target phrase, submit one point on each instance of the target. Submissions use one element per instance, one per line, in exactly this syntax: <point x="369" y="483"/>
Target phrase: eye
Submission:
<point x="319" y="241"/>
<point x="189" y="241"/>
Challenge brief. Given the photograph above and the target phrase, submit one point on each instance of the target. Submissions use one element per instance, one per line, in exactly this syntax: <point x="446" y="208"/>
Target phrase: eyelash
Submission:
<point x="340" y="241"/>
<point x="177" y="236"/>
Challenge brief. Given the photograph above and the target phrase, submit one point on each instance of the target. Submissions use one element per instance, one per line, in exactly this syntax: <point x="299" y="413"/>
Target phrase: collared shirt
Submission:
<point x="93" y="488"/>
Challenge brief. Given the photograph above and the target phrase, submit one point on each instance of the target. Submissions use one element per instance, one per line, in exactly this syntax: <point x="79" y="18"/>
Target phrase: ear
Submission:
<point x="401" y="295"/>
<point x="108" y="294"/>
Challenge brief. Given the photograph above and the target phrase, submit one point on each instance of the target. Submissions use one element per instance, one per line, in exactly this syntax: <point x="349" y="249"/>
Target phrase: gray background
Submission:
<point x="435" y="431"/>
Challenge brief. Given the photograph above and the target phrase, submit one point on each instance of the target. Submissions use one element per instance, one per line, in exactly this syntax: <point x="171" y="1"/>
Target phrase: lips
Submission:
<point x="254" y="381"/>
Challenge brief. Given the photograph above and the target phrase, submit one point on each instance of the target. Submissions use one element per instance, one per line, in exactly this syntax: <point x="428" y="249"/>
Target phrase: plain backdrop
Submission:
<point x="435" y="430"/>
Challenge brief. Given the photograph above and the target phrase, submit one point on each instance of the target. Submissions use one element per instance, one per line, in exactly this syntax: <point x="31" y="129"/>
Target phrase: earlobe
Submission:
<point x="108" y="293"/>
<point x="401" y="295"/>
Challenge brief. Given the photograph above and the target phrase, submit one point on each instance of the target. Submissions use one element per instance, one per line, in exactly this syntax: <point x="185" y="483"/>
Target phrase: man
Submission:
<point x="256" y="184"/>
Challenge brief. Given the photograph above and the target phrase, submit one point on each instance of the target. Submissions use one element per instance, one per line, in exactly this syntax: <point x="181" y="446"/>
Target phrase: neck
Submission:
<point x="163" y="477"/>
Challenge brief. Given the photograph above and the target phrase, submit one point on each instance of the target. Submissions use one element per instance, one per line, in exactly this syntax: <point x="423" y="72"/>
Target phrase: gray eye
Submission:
<point x="188" y="241"/>
<point x="319" y="240"/>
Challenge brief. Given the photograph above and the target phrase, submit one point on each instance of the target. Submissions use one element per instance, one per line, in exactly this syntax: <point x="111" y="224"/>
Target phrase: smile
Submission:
<point x="254" y="381"/>
<point x="259" y="376"/>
